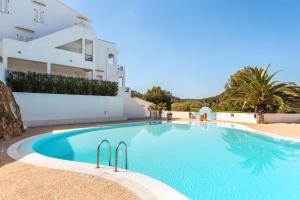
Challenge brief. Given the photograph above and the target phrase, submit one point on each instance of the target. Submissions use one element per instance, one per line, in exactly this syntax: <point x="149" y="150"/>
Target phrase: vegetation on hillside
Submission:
<point x="251" y="89"/>
<point x="177" y="106"/>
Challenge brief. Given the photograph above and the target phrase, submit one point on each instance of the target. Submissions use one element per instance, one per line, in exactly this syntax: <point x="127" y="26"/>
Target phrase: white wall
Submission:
<point x="53" y="109"/>
<point x="176" y="115"/>
<point x="237" y="117"/>
<point x="144" y="104"/>
<point x="57" y="16"/>
<point x="282" y="118"/>
<point x="133" y="110"/>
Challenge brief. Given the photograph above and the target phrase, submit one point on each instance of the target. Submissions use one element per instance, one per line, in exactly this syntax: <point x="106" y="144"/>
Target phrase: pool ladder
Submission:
<point x="109" y="154"/>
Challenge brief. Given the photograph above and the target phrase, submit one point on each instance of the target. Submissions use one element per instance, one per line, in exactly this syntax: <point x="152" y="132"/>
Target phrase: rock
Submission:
<point x="10" y="118"/>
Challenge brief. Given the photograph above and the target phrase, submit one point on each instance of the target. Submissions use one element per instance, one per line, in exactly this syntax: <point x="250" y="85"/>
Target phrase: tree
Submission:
<point x="158" y="96"/>
<point x="254" y="88"/>
<point x="135" y="93"/>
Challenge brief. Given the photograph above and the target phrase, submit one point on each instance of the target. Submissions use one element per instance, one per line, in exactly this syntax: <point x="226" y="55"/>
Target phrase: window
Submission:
<point x="4" y="6"/>
<point x="89" y="50"/>
<point x="111" y="59"/>
<point x="38" y="16"/>
<point x="24" y="34"/>
<point x="42" y="16"/>
<point x="82" y="21"/>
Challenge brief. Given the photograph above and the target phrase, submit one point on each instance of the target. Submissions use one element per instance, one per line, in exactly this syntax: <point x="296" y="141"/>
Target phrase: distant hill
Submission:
<point x="213" y="102"/>
<point x="206" y="100"/>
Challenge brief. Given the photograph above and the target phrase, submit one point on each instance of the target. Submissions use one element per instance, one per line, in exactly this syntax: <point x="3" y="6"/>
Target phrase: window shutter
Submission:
<point x="36" y="15"/>
<point x="42" y="17"/>
<point x="4" y="6"/>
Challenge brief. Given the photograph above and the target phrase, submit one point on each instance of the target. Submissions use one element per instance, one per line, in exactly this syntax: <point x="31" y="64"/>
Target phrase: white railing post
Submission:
<point x="2" y="73"/>
<point x="48" y="68"/>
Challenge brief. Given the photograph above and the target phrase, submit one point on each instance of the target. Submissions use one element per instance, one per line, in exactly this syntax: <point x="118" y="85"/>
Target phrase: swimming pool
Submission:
<point x="200" y="160"/>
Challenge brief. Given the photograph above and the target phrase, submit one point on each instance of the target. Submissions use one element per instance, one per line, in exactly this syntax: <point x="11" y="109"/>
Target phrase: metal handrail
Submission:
<point x="116" y="156"/>
<point x="99" y="153"/>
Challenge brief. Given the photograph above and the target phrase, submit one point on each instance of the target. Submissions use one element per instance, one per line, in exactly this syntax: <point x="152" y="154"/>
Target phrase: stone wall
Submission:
<point x="10" y="118"/>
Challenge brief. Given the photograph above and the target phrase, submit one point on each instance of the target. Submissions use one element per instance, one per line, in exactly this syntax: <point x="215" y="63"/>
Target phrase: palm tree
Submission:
<point x="158" y="108"/>
<point x="253" y="87"/>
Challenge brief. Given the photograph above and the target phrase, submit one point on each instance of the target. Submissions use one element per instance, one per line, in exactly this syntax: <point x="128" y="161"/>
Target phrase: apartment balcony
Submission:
<point x="31" y="51"/>
<point x="121" y="71"/>
<point x="121" y="68"/>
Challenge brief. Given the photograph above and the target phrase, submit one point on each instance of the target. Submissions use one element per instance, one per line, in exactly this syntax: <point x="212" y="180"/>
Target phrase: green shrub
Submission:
<point x="194" y="109"/>
<point x="44" y="83"/>
<point x="180" y="107"/>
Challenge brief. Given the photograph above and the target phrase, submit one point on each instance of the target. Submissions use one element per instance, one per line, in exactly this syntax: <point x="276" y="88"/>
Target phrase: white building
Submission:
<point x="46" y="36"/>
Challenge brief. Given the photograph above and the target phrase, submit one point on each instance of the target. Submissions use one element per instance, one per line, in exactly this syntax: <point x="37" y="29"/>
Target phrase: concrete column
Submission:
<point x="94" y="74"/>
<point x="123" y="81"/>
<point x="3" y="69"/>
<point x="2" y="73"/>
<point x="5" y="62"/>
<point x="48" y="68"/>
<point x="116" y="55"/>
<point x="83" y="48"/>
<point x="106" y="65"/>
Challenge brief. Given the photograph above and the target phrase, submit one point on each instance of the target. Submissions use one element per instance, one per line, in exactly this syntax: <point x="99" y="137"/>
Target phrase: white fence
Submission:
<point x="251" y="117"/>
<point x="176" y="115"/>
<point x="237" y="117"/>
<point x="186" y="115"/>
<point x="54" y="109"/>
<point x="282" y="118"/>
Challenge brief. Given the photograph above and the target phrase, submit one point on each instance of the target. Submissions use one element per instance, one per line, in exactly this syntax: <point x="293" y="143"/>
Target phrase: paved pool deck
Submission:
<point x="23" y="181"/>
<point x="20" y="181"/>
<point x="282" y="130"/>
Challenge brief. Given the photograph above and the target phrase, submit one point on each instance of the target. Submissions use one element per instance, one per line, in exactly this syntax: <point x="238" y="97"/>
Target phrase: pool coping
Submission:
<point x="143" y="186"/>
<point x="235" y="125"/>
<point x="258" y="132"/>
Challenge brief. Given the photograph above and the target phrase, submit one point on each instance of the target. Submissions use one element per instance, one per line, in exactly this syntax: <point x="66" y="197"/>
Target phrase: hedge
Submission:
<point x="44" y="83"/>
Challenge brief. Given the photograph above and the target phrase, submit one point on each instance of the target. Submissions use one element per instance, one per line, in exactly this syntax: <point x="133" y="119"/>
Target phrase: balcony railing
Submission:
<point x="121" y="68"/>
<point x="88" y="57"/>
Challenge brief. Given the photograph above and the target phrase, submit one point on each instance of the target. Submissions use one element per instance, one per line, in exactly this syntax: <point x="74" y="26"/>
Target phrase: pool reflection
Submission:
<point x="259" y="152"/>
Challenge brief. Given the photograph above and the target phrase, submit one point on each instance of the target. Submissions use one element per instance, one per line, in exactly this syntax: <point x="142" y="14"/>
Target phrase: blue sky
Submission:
<point x="191" y="47"/>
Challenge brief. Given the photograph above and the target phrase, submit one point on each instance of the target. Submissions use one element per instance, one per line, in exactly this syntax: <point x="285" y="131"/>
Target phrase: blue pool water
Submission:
<point x="202" y="161"/>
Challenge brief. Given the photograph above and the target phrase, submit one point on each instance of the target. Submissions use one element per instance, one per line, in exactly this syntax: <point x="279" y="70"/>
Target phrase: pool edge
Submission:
<point x="143" y="186"/>
<point x="244" y="127"/>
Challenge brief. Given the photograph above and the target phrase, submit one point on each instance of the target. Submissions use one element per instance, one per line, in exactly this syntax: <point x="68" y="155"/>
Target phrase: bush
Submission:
<point x="180" y="107"/>
<point x="44" y="83"/>
<point x="195" y="109"/>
